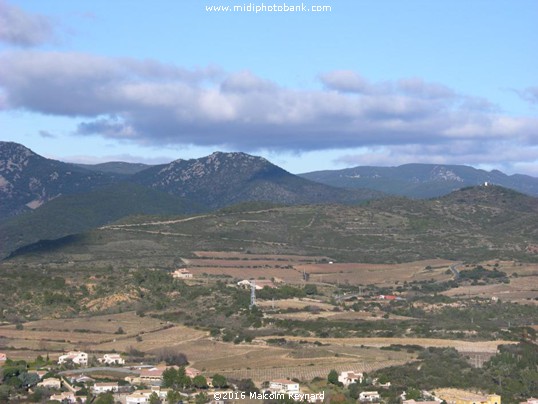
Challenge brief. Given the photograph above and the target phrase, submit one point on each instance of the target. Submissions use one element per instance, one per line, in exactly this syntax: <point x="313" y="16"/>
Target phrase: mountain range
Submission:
<point x="44" y="199"/>
<point x="421" y="180"/>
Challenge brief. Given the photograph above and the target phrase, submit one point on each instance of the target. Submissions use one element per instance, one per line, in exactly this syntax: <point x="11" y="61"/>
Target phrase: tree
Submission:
<point x="201" y="398"/>
<point x="219" y="381"/>
<point x="173" y="396"/>
<point x="354" y="390"/>
<point x="412" y="394"/>
<point x="154" y="398"/>
<point x="200" y="382"/>
<point x="170" y="378"/>
<point x="247" y="385"/>
<point x="105" y="398"/>
<point x="332" y="378"/>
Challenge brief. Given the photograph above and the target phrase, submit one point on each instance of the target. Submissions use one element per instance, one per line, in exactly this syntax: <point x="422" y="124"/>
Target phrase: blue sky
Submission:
<point x="366" y="83"/>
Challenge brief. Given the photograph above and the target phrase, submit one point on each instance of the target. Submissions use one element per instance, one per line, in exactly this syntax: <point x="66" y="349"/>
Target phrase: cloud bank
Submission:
<point x="152" y="103"/>
<point x="20" y="28"/>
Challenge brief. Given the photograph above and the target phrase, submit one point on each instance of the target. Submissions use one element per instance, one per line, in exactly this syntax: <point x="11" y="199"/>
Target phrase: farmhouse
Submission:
<point x="346" y="378"/>
<point x="111" y="359"/>
<point x="67" y="397"/>
<point x="370" y="396"/>
<point x="181" y="273"/>
<point x="51" y="383"/>
<point x="151" y="377"/>
<point x="192" y="372"/>
<point x="283" y="386"/>
<point x="80" y="358"/>
<point x="99" y="388"/>
<point x="142" y="396"/>
<point x="259" y="284"/>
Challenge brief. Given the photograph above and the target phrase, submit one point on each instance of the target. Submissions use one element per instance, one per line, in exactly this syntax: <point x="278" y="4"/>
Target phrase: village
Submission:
<point x="158" y="384"/>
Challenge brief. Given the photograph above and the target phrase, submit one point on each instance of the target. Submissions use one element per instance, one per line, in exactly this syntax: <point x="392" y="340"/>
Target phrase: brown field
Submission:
<point x="522" y="289"/>
<point x="294" y="304"/>
<point x="193" y="263"/>
<point x="170" y="337"/>
<point x="88" y="333"/>
<point x="244" y="256"/>
<point x="381" y="274"/>
<point x="265" y="362"/>
<point x="511" y="267"/>
<point x="377" y="342"/>
<point x="287" y="275"/>
<point x="129" y="321"/>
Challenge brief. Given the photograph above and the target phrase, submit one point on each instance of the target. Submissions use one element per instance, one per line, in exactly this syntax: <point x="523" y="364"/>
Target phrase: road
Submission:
<point x="454" y="270"/>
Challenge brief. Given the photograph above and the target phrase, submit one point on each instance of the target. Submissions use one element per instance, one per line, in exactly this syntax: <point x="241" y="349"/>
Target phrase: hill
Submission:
<point x="421" y="180"/>
<point x="72" y="214"/>
<point x="473" y="224"/>
<point x="28" y="180"/>
<point x="116" y="167"/>
<point x="223" y="179"/>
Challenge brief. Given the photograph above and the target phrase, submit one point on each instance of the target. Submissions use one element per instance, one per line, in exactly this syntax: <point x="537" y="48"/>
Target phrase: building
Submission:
<point x="111" y="359"/>
<point x="371" y="396"/>
<point x="346" y="378"/>
<point x="67" y="397"/>
<point x="150" y="377"/>
<point x="77" y="357"/>
<point x="142" y="396"/>
<point x="192" y="372"/>
<point x="3" y="357"/>
<point x="51" y="383"/>
<point x="99" y="388"/>
<point x="181" y="273"/>
<point x="283" y="386"/>
<point x="259" y="284"/>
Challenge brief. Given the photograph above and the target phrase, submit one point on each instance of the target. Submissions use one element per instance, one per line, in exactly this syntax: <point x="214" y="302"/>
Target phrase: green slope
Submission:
<point x="77" y="213"/>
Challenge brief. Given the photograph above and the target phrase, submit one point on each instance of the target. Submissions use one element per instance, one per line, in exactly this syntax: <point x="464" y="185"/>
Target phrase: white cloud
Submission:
<point x="154" y="104"/>
<point x="17" y="27"/>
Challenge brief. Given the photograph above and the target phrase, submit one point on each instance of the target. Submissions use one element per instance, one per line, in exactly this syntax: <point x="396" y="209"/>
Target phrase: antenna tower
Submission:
<point x="252" y="294"/>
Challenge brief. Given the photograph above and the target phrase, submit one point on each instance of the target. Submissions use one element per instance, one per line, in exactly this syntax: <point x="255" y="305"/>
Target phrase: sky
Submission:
<point x="321" y="84"/>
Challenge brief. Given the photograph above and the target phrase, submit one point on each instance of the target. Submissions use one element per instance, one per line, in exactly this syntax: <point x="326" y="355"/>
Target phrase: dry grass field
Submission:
<point x="95" y="334"/>
<point x="266" y="362"/>
<point x="377" y="342"/>
<point x="287" y="275"/>
<point x="170" y="337"/>
<point x="521" y="289"/>
<point x="243" y="256"/>
<point x="294" y="304"/>
<point x="379" y="274"/>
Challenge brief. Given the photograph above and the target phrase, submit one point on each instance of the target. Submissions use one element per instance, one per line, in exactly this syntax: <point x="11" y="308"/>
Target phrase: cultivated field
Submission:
<point x="377" y="342"/>
<point x="266" y="362"/>
<point x="521" y="289"/>
<point x="287" y="275"/>
<point x="380" y="274"/>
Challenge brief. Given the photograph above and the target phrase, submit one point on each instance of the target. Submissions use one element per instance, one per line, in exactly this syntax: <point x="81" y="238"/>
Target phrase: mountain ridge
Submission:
<point x="418" y="180"/>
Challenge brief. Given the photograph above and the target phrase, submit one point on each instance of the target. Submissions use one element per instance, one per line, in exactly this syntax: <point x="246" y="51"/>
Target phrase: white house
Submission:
<point x="112" y="359"/>
<point x="80" y="358"/>
<point x="370" y="396"/>
<point x="181" y="273"/>
<point x="67" y="397"/>
<point x="51" y="383"/>
<point x="346" y="378"/>
<point x="283" y="386"/>
<point x="99" y="388"/>
<point x="142" y="396"/>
